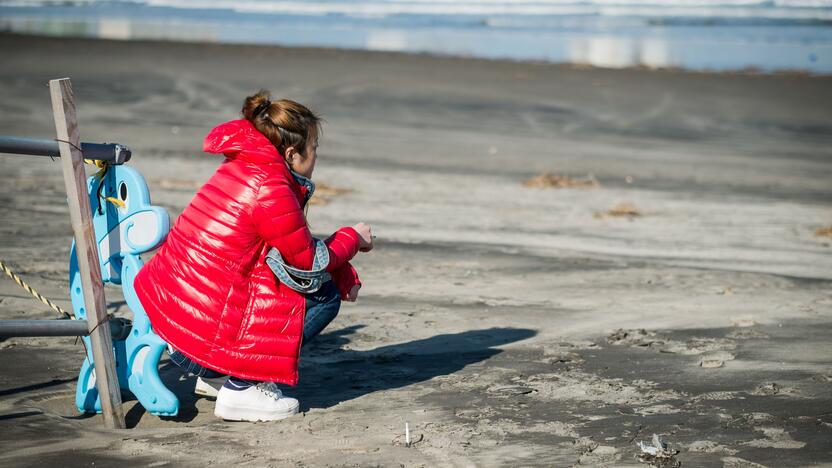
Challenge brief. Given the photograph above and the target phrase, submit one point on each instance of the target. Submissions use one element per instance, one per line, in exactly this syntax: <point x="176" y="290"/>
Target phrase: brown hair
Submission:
<point x="285" y="123"/>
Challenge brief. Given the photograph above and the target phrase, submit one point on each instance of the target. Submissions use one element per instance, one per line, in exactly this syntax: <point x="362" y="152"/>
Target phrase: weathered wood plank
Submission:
<point x="72" y="162"/>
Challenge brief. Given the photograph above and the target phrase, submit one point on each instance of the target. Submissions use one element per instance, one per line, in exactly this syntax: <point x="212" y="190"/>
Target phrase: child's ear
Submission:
<point x="291" y="154"/>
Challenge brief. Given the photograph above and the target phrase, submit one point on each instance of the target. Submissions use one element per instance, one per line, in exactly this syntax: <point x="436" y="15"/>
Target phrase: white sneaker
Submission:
<point x="261" y="402"/>
<point x="209" y="387"/>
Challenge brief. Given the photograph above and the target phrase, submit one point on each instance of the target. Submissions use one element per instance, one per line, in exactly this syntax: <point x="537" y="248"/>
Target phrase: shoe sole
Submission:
<point x="205" y="390"/>
<point x="230" y="413"/>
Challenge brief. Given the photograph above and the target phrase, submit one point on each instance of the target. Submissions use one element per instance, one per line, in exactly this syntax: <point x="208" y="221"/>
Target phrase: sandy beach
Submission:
<point x="679" y="284"/>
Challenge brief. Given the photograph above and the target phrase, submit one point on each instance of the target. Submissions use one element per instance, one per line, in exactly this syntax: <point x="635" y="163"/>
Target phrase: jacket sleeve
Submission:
<point x="343" y="245"/>
<point x="345" y="278"/>
<point x="279" y="220"/>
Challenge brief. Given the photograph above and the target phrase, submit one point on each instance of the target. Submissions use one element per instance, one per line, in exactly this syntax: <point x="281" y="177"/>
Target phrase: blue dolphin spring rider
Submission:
<point x="126" y="225"/>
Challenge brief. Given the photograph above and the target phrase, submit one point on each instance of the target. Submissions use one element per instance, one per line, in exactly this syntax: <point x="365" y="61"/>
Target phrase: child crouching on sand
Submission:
<point x="212" y="292"/>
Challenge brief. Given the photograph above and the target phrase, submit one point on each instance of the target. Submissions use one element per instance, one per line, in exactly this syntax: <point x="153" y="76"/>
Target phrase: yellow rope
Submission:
<point x="103" y="166"/>
<point x="115" y="201"/>
<point x="32" y="291"/>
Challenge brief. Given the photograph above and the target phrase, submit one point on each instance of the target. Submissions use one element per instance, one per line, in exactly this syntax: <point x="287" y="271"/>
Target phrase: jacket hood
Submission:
<point x="238" y="139"/>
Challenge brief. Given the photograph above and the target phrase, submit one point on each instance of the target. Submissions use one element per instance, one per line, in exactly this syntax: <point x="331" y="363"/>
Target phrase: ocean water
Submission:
<point x="766" y="35"/>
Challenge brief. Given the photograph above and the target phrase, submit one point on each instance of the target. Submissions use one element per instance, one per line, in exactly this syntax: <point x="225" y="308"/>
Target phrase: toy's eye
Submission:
<point x="122" y="192"/>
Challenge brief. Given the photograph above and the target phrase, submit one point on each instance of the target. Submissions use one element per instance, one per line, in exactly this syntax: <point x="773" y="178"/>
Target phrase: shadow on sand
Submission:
<point x="331" y="376"/>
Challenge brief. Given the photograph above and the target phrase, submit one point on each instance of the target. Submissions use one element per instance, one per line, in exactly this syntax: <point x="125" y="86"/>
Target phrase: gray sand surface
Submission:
<point x="510" y="326"/>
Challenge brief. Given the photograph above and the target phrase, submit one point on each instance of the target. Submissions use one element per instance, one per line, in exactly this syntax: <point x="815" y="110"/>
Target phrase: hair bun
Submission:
<point x="259" y="109"/>
<point x="256" y="104"/>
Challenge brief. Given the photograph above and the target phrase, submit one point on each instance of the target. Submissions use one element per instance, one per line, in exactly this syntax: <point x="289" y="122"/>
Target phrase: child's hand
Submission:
<point x="353" y="294"/>
<point x="365" y="235"/>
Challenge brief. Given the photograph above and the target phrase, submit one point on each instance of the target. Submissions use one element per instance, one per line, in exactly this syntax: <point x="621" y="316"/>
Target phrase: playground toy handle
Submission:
<point x="113" y="153"/>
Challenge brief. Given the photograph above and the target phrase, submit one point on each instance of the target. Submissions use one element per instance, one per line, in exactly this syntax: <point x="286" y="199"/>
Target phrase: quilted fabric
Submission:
<point x="208" y="291"/>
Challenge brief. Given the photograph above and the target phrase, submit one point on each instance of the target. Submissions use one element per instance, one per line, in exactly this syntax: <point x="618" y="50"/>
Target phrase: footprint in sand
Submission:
<point x="707" y="446"/>
<point x="715" y="396"/>
<point x="743" y="321"/>
<point x="633" y="337"/>
<point x="768" y="389"/>
<point x="715" y="360"/>
<point x="713" y="351"/>
<point x="601" y="455"/>
<point x="775" y="437"/>
<point x="747" y="334"/>
<point x="736" y="462"/>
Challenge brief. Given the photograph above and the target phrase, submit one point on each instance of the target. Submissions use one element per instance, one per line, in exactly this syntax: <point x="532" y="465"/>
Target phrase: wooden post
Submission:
<point x="72" y="162"/>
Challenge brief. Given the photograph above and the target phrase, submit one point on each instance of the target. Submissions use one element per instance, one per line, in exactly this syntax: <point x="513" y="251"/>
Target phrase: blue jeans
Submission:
<point x="322" y="307"/>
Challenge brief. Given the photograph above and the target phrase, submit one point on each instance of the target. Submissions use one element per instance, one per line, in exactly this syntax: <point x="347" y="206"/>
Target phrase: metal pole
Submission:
<point x="14" y="328"/>
<point x="113" y="153"/>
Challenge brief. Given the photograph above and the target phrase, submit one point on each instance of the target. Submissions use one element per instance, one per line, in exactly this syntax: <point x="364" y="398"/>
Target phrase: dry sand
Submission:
<point x="509" y="325"/>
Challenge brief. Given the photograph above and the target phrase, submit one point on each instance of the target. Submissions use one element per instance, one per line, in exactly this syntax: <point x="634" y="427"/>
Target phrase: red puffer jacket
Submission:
<point x="208" y="291"/>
